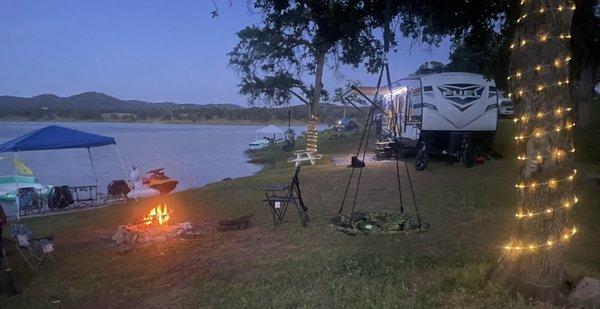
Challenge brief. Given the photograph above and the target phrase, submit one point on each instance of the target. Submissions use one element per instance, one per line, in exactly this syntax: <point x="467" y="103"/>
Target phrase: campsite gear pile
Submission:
<point x="365" y="223"/>
<point x="51" y="138"/>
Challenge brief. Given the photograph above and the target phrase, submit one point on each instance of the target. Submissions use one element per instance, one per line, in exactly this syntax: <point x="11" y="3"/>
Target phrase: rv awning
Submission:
<point x="270" y="129"/>
<point x="56" y="137"/>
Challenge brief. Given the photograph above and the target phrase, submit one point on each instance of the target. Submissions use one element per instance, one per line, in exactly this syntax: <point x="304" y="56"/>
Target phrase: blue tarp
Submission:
<point x="55" y="137"/>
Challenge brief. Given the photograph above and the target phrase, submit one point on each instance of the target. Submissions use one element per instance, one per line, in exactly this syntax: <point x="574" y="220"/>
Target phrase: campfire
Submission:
<point x="158" y="215"/>
<point x="156" y="226"/>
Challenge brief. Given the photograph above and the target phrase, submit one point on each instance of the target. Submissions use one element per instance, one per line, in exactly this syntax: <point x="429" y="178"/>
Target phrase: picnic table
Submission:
<point x="305" y="155"/>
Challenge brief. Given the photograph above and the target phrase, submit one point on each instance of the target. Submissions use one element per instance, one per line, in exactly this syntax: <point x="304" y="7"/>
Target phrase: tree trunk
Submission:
<point x="311" y="132"/>
<point x="582" y="90"/>
<point x="318" y="86"/>
<point x="585" y="66"/>
<point x="533" y="259"/>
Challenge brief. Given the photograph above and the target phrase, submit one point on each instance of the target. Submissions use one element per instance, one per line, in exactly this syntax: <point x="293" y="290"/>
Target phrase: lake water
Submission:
<point x="194" y="154"/>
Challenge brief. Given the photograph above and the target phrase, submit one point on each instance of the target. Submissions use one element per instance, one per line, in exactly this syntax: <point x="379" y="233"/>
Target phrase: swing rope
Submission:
<point x="398" y="147"/>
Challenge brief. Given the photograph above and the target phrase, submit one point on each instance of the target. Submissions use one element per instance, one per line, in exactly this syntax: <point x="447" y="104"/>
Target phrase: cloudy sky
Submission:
<point x="147" y="50"/>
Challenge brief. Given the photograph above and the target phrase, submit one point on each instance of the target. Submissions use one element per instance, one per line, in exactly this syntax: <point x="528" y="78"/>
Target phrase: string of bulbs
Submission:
<point x="543" y="10"/>
<point x="556" y="153"/>
<point x="311" y="134"/>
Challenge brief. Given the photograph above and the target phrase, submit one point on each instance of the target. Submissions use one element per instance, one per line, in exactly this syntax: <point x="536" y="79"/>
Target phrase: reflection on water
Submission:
<point x="193" y="154"/>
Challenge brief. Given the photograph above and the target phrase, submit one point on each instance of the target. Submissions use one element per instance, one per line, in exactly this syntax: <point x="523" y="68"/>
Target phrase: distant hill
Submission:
<point x="95" y="106"/>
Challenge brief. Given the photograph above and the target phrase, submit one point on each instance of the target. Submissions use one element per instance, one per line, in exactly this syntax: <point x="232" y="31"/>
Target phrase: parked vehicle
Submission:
<point x="506" y="107"/>
<point x="452" y="113"/>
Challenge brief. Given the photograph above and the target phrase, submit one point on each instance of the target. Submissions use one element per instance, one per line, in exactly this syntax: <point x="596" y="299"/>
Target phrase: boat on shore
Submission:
<point x="266" y="136"/>
<point x="259" y="144"/>
<point x="8" y="190"/>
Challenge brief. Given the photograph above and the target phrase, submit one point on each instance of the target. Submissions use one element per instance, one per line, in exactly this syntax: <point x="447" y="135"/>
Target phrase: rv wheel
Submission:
<point x="468" y="157"/>
<point x="422" y="160"/>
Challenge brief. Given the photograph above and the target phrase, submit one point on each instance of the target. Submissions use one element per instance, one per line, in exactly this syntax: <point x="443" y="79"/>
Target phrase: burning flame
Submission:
<point x="159" y="214"/>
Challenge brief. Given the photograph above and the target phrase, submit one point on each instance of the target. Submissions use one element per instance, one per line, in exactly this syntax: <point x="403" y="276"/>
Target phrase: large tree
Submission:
<point x="538" y="80"/>
<point x="298" y="39"/>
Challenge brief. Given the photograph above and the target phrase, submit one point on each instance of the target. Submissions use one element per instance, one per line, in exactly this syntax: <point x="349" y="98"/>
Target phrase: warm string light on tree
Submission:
<point x="557" y="63"/>
<point x="557" y="112"/>
<point x="540" y="88"/>
<point x="550" y="184"/>
<point x="311" y="134"/>
<point x="543" y="38"/>
<point x="563" y="124"/>
<point x="548" y="211"/>
<point x="564" y="237"/>
<point x="543" y="10"/>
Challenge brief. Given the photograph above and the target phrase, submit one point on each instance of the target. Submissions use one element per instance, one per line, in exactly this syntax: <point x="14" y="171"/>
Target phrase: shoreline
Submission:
<point x="218" y="122"/>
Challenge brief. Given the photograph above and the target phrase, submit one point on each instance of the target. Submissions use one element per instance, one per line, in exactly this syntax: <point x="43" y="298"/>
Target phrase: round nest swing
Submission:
<point x="366" y="223"/>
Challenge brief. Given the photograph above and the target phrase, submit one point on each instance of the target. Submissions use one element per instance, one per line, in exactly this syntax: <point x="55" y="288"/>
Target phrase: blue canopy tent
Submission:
<point x="56" y="137"/>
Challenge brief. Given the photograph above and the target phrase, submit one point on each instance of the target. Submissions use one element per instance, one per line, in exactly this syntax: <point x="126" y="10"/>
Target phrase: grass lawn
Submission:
<point x="470" y="211"/>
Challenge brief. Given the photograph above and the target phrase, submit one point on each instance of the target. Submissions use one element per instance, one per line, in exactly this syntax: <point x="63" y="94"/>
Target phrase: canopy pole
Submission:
<point x="125" y="171"/>
<point x="93" y="167"/>
<point x="93" y="170"/>
<point x="17" y="201"/>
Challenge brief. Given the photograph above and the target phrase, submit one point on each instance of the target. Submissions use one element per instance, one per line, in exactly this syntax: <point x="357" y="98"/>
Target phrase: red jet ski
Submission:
<point x="157" y="180"/>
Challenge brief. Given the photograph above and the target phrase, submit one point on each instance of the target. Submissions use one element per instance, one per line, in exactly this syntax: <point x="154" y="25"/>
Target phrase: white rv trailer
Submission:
<point x="451" y="113"/>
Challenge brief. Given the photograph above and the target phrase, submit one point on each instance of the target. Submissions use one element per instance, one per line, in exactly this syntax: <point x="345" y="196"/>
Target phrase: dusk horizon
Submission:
<point x="173" y="52"/>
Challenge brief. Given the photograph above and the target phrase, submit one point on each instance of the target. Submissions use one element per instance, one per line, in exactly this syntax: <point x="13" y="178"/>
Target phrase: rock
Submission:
<point x="185" y="226"/>
<point x="586" y="294"/>
<point x="152" y="239"/>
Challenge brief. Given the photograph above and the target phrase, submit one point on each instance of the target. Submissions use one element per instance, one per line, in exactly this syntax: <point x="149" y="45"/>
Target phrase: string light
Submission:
<point x="557" y="153"/>
<point x="311" y="134"/>
<point x="552" y="183"/>
<point x="544" y="38"/>
<point x="543" y="10"/>
<point x="565" y="205"/>
<point x="538" y="133"/>
<point x="565" y="236"/>
<point x="538" y="68"/>
<point x="541" y="88"/>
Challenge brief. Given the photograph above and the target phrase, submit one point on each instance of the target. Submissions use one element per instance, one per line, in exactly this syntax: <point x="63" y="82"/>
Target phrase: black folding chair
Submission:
<point x="280" y="196"/>
<point x="85" y="196"/>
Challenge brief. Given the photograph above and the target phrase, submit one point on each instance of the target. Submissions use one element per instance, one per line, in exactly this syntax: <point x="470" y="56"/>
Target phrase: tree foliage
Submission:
<point x="297" y="38"/>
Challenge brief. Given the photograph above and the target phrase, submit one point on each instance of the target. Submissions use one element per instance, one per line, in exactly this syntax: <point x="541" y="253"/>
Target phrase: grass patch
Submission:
<point x="470" y="211"/>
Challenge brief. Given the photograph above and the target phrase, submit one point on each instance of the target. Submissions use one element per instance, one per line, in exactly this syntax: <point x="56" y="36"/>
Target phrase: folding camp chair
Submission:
<point x="279" y="196"/>
<point x="29" y="201"/>
<point x="33" y="250"/>
<point x="85" y="196"/>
